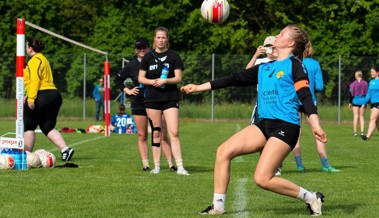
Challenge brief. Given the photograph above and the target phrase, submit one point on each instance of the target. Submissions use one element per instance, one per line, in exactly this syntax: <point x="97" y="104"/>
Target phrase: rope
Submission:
<point x="66" y="39"/>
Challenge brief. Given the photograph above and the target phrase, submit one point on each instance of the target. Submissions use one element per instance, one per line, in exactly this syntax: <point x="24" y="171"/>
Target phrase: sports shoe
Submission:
<point x="146" y="169"/>
<point x="362" y="133"/>
<point x="300" y="169"/>
<point x="211" y="210"/>
<point x="315" y="206"/>
<point x="330" y="169"/>
<point x="173" y="169"/>
<point x="67" y="154"/>
<point x="355" y="134"/>
<point x="365" y="138"/>
<point x="182" y="171"/>
<point x="278" y="172"/>
<point x="156" y="170"/>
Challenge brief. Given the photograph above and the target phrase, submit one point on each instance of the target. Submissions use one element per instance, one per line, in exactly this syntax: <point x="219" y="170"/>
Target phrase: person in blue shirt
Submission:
<point x="358" y="90"/>
<point x="283" y="84"/>
<point x="316" y="84"/>
<point x="373" y="97"/>
<point x="98" y="95"/>
<point x="119" y="122"/>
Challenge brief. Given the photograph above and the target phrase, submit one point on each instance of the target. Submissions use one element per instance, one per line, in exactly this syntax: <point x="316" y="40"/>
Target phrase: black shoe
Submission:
<point x="365" y="137"/>
<point x="173" y="168"/>
<point x="66" y="155"/>
<point x="146" y="169"/>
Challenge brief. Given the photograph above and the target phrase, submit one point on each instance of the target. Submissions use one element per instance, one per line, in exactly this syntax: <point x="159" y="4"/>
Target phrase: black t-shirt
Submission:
<point x="131" y="71"/>
<point x="152" y="67"/>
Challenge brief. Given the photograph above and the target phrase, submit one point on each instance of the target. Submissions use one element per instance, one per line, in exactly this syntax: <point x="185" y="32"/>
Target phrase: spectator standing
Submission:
<point x="162" y="95"/>
<point x="98" y="95"/>
<point x="373" y="97"/>
<point x="137" y="95"/>
<point x="358" y="90"/>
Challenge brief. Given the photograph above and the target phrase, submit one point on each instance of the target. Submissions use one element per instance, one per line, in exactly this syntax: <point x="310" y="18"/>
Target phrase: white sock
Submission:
<point x="219" y="201"/>
<point x="306" y="196"/>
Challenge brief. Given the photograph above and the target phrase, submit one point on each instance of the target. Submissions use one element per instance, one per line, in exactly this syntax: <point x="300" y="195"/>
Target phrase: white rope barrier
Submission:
<point x="66" y="39"/>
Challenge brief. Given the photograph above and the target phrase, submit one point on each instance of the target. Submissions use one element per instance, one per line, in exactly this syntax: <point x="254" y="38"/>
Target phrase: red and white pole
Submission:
<point x="20" y="60"/>
<point x="107" y="104"/>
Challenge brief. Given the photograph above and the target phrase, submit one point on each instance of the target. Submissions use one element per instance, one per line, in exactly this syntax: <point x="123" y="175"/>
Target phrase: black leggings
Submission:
<point x="45" y="113"/>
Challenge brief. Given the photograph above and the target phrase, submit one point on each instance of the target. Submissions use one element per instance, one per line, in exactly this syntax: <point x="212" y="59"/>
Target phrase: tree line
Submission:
<point x="338" y="28"/>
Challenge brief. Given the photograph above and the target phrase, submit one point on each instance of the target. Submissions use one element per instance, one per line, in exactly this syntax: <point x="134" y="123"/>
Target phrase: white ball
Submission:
<point x="32" y="159"/>
<point x="215" y="11"/>
<point x="6" y="162"/>
<point x="40" y="151"/>
<point x="48" y="160"/>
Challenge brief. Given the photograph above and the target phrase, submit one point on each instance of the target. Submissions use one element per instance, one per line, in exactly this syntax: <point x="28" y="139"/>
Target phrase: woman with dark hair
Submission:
<point x="42" y="101"/>
<point x="283" y="84"/>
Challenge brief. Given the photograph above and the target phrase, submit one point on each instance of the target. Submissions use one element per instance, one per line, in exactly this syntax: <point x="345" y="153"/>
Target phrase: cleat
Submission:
<point x="210" y="210"/>
<point x="66" y="155"/>
<point x="362" y="134"/>
<point x="315" y="207"/>
<point x="278" y="172"/>
<point x="330" y="169"/>
<point x="365" y="138"/>
<point x="173" y="169"/>
<point x="156" y="170"/>
<point x="355" y="134"/>
<point x="182" y="171"/>
<point x="146" y="169"/>
<point x="301" y="169"/>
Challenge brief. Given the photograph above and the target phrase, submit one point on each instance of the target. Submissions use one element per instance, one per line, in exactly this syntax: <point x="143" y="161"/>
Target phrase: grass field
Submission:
<point x="109" y="181"/>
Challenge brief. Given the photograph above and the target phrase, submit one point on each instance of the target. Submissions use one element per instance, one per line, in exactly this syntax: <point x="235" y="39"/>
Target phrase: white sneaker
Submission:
<point x="156" y="170"/>
<point x="182" y="171"/>
<point x="315" y="206"/>
<point x="278" y="172"/>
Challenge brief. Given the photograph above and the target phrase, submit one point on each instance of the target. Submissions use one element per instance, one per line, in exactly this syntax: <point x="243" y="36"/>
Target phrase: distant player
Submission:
<point x="119" y="121"/>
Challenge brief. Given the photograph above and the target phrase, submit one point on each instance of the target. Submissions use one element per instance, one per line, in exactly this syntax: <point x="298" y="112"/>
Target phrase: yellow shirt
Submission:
<point x="37" y="76"/>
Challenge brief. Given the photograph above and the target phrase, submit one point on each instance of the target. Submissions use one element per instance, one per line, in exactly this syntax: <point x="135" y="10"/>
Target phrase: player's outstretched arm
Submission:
<point x="190" y="88"/>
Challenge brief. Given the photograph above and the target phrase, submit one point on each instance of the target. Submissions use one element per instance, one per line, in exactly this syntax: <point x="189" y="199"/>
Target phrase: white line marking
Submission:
<point x="240" y="203"/>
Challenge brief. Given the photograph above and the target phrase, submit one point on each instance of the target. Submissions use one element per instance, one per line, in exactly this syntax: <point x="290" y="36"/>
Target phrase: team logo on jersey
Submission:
<point x="280" y="74"/>
<point x="162" y="59"/>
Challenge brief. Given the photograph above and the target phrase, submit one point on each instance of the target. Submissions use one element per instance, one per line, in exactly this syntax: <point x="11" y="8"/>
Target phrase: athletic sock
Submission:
<point x="157" y="164"/>
<point x="324" y="162"/>
<point x="299" y="161"/>
<point x="219" y="201"/>
<point x="306" y="196"/>
<point x="179" y="163"/>
<point x="145" y="163"/>
<point x="64" y="149"/>
<point x="170" y="163"/>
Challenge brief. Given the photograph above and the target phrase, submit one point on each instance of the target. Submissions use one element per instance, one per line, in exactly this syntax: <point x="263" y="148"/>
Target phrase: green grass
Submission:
<point x="109" y="181"/>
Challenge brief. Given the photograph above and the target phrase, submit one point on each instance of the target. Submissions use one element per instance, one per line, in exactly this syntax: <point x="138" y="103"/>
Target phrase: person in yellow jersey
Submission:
<point x="42" y="100"/>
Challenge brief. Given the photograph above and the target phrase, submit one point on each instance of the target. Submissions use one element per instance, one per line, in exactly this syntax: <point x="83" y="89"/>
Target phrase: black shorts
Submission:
<point x="138" y="107"/>
<point x="162" y="105"/>
<point x="287" y="132"/>
<point x="375" y="105"/>
<point x="44" y="115"/>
